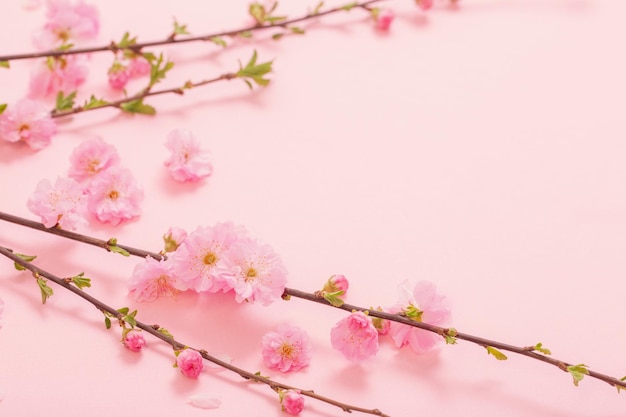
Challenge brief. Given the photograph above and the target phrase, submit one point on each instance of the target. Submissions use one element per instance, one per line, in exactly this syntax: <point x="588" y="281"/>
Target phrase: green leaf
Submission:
<point x="3" y="107"/>
<point x="297" y="30"/>
<point x="134" y="106"/>
<point x="245" y="34"/>
<point x="496" y="353"/>
<point x="165" y="332"/>
<point x="81" y="281"/>
<point x="450" y="336"/>
<point x="46" y="291"/>
<point x="94" y="102"/>
<point x="65" y="47"/>
<point x="26" y="258"/>
<point x="4" y="64"/>
<point x="334" y="298"/>
<point x="539" y="348"/>
<point x="255" y="72"/>
<point x="180" y="29"/>
<point x="123" y="310"/>
<point x="578" y="372"/>
<point x="219" y="41"/>
<point x="350" y="6"/>
<point x="318" y="8"/>
<point x="257" y="11"/>
<point x="620" y="388"/>
<point x="149" y="56"/>
<point x="159" y="69"/>
<point x="413" y="313"/>
<point x="277" y="36"/>
<point x="112" y="247"/>
<point x="130" y="319"/>
<point x="107" y="322"/>
<point x="126" y="41"/>
<point x="65" y="102"/>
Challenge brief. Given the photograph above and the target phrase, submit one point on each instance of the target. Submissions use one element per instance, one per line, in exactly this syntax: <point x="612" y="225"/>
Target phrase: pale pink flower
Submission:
<point x="28" y="121"/>
<point x="337" y="283"/>
<point x="292" y="402"/>
<point x="424" y="4"/>
<point x="67" y="22"/>
<point x="92" y="157"/>
<point x="187" y="162"/>
<point x="258" y="274"/>
<point x="174" y="237"/>
<point x="119" y="75"/>
<point x="431" y="308"/>
<point x="190" y="363"/>
<point x="152" y="279"/>
<point x="199" y="261"/>
<point x="384" y="18"/>
<point x="139" y="66"/>
<point x="63" y="204"/>
<point x="286" y="349"/>
<point x="355" y="336"/>
<point x="114" y="196"/>
<point x="134" y="341"/>
<point x="51" y="75"/>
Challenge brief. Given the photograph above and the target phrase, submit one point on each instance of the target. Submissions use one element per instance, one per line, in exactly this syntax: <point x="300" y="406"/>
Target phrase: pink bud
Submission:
<point x="134" y="341"/>
<point x="189" y="362"/>
<point x="337" y="283"/>
<point x="118" y="76"/>
<point x="173" y="238"/>
<point x="424" y="4"/>
<point x="139" y="66"/>
<point x="292" y="402"/>
<point x="384" y="19"/>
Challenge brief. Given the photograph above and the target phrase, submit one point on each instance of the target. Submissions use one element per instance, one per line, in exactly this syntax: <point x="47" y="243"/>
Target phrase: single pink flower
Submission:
<point x="152" y="279"/>
<point x="63" y="204"/>
<point x="67" y="22"/>
<point x="174" y="237"/>
<point x="187" y="162"/>
<point x="337" y="283"/>
<point x="292" y="402"/>
<point x="199" y="261"/>
<point x="92" y="157"/>
<point x="51" y="75"/>
<point x="426" y="306"/>
<point x="119" y="75"/>
<point x="139" y="66"/>
<point x="286" y="349"/>
<point x="424" y="4"/>
<point x="384" y="18"/>
<point x="114" y="196"/>
<point x="190" y="363"/>
<point x="355" y="336"/>
<point x="28" y="121"/>
<point x="134" y="341"/>
<point x="258" y="274"/>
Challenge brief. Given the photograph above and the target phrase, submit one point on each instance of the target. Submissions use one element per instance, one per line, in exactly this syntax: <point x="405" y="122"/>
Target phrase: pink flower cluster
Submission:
<point x="67" y="22"/>
<point x="54" y="74"/>
<point x="29" y="122"/>
<point x="123" y="70"/>
<point x="356" y="336"/>
<point x="220" y="258"/>
<point x="187" y="161"/>
<point x="97" y="185"/>
<point x="286" y="349"/>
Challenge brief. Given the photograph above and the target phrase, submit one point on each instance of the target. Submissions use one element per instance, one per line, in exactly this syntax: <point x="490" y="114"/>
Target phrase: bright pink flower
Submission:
<point x="114" y="196"/>
<point x="174" y="237"/>
<point x="286" y="349"/>
<point x="199" y="261"/>
<point x="134" y="341"/>
<point x="258" y="274"/>
<point x="430" y="307"/>
<point x="187" y="161"/>
<point x="292" y="402"/>
<point x="337" y="283"/>
<point x="92" y="157"/>
<point x="118" y="75"/>
<point x="28" y="121"/>
<point x="63" y="204"/>
<point x="67" y="22"/>
<point x="355" y="336"/>
<point x="51" y="75"/>
<point x="424" y="4"/>
<point x="152" y="279"/>
<point x="190" y="363"/>
<point x="139" y="66"/>
<point x="384" y="18"/>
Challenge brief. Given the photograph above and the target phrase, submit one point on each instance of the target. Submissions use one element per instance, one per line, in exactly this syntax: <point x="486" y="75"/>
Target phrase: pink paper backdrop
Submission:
<point x="479" y="147"/>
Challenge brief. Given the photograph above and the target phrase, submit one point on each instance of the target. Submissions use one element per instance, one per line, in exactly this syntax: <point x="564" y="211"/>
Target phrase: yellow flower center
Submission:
<point x="251" y="274"/>
<point x="286" y="350"/>
<point x="114" y="195"/>
<point x="210" y="258"/>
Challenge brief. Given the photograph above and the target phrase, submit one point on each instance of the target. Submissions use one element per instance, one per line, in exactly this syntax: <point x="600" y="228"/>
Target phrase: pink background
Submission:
<point x="481" y="148"/>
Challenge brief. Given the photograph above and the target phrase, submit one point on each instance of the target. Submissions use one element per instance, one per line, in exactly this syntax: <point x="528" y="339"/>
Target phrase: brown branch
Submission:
<point x="154" y="331"/>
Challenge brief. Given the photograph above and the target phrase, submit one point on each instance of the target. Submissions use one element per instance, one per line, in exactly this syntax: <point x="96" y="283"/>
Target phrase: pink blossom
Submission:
<point x="286" y="349"/>
<point x="114" y="196"/>
<point x="119" y="75"/>
<point x="92" y="157"/>
<point x="258" y="274"/>
<point x="51" y="75"/>
<point x="190" y="363"/>
<point x="424" y="4"/>
<point x="139" y="66"/>
<point x="292" y="402"/>
<point x="187" y="161"/>
<point x="152" y="279"/>
<point x="382" y="326"/>
<point x="355" y="336"/>
<point x="337" y="283"/>
<point x="63" y="204"/>
<point x="384" y="18"/>
<point x="174" y="237"/>
<point x="134" y="341"/>
<point x="65" y="22"/>
<point x="199" y="261"/>
<point x="428" y="307"/>
<point x="28" y="121"/>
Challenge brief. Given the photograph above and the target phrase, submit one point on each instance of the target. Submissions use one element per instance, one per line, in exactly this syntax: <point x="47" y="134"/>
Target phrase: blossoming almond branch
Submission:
<point x="188" y="358"/>
<point x="413" y="321"/>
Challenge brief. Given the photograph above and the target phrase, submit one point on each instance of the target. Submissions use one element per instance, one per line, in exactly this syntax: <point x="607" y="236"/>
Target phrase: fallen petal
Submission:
<point x="204" y="401"/>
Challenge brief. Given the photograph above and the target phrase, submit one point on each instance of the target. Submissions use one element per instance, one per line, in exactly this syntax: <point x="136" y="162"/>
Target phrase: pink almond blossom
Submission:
<point x="173" y="238"/>
<point x="114" y="196"/>
<point x="257" y="272"/>
<point x="92" y="157"/>
<point x="199" y="261"/>
<point x="190" y="363"/>
<point x="187" y="162"/>
<point x="134" y="341"/>
<point x="51" y="75"/>
<point x="63" y="204"/>
<point x="139" y="66"/>
<point x="292" y="402"/>
<point x="430" y="307"/>
<point x="384" y="18"/>
<point x="355" y="336"/>
<point x="152" y="279"/>
<point x="382" y="326"/>
<point x="424" y="4"/>
<point x="28" y="121"/>
<point x="286" y="349"/>
<point x="67" y="22"/>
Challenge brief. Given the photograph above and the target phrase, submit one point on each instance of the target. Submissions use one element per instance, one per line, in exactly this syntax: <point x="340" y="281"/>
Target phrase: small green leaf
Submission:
<point x="297" y="30"/>
<point x="277" y="36"/>
<point x="130" y="319"/>
<point x="123" y="310"/>
<point x="578" y="372"/>
<point x="450" y="336"/>
<point x="159" y="69"/>
<point x="245" y="34"/>
<point x="180" y="29"/>
<point x="318" y="8"/>
<point x="496" y="353"/>
<point x="4" y="64"/>
<point x="3" y="107"/>
<point x="26" y="258"/>
<point x="350" y="6"/>
<point x="46" y="291"/>
<point x="126" y="41"/>
<point x="65" y="47"/>
<point x="165" y="332"/>
<point x="539" y="348"/>
<point x="334" y="298"/>
<point x="107" y="322"/>
<point x="81" y="281"/>
<point x="65" y="102"/>
<point x="413" y="313"/>
<point x="149" y="56"/>
<point x="219" y="41"/>
<point x="257" y="11"/>
<point x="620" y="388"/>
<point x="94" y="102"/>
<point x="255" y="72"/>
<point x="139" y="107"/>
